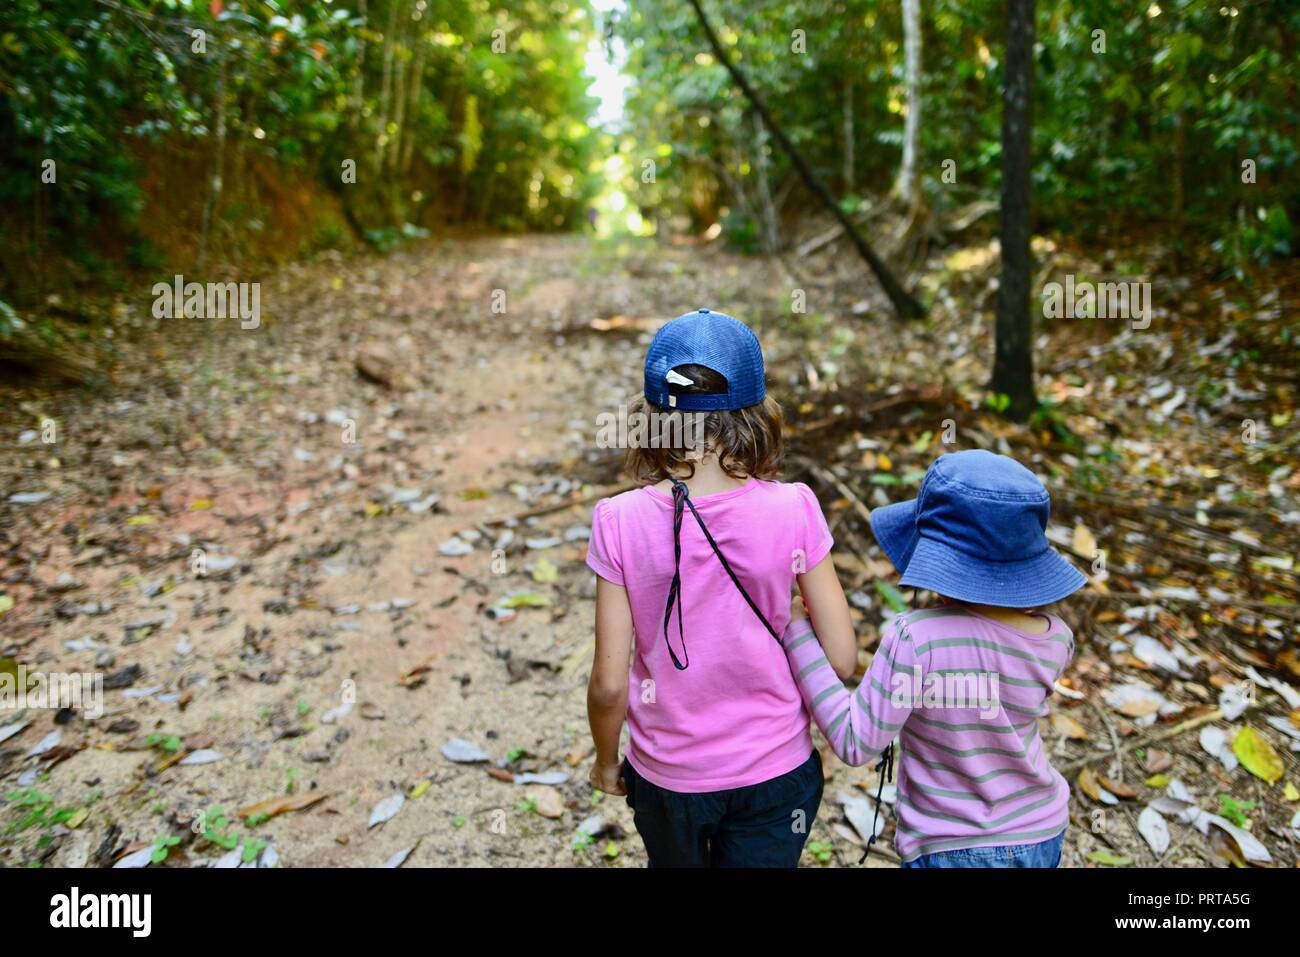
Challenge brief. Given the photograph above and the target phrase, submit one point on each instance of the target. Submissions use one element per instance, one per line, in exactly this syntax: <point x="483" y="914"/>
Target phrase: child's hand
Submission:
<point x="607" y="778"/>
<point x="797" y="608"/>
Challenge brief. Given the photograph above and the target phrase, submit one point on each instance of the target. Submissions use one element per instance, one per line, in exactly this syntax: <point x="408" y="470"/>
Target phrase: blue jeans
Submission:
<point x="762" y="825"/>
<point x="1043" y="854"/>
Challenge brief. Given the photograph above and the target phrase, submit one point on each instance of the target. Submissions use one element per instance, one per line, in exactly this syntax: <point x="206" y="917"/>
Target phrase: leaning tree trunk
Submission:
<point x="1013" y="364"/>
<point x="908" y="186"/>
<point x="904" y="304"/>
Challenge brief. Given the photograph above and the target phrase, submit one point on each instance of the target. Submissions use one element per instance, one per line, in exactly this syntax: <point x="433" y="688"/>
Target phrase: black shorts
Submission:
<point x="760" y="825"/>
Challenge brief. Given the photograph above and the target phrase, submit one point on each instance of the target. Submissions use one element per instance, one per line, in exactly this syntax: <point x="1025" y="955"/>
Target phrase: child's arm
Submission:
<point x="829" y="611"/>
<point x="607" y="689"/>
<point x="859" y="725"/>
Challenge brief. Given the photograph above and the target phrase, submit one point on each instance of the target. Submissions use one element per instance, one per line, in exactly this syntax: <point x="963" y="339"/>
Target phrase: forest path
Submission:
<point x="257" y="545"/>
<point x="294" y="545"/>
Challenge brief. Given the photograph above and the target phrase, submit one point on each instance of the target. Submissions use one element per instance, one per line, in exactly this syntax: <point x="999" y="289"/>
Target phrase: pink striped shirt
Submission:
<point x="963" y="693"/>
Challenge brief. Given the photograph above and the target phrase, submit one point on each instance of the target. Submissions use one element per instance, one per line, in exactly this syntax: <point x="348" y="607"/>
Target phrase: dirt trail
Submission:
<point x="292" y="546"/>
<point x="274" y="457"/>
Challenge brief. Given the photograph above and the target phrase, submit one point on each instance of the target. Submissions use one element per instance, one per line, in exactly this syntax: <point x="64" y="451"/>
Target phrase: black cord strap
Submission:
<point x="681" y="501"/>
<point x="884" y="769"/>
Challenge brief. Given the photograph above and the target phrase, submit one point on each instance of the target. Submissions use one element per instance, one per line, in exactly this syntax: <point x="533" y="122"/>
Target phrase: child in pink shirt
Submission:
<point x="695" y="573"/>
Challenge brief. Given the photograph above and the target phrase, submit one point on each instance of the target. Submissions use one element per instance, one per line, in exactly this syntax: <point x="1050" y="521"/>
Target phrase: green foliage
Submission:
<point x="1153" y="129"/>
<point x="1261" y="239"/>
<point x="164" y="742"/>
<point x="36" y="809"/>
<point x="998" y="401"/>
<point x="891" y="596"/>
<point x="821" y="851"/>
<point x="214" y="823"/>
<point x="445" y="118"/>
<point x="161" y="846"/>
<point x="253" y="847"/>
<point x="741" y="231"/>
<point x="1234" y="810"/>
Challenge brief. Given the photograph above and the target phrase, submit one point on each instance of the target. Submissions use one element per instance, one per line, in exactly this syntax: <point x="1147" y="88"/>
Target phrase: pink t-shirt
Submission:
<point x="734" y="716"/>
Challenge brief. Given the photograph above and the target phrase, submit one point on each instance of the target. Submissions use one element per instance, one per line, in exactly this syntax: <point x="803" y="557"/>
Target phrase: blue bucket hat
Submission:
<point x="713" y="340"/>
<point x="977" y="532"/>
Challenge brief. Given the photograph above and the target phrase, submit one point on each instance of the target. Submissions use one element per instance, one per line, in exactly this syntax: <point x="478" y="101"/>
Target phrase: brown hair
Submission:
<point x="746" y="441"/>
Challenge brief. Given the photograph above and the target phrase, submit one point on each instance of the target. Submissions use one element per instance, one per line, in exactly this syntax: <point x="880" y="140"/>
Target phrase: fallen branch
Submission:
<point x="827" y="478"/>
<point x="810" y="246"/>
<point x="606" y="492"/>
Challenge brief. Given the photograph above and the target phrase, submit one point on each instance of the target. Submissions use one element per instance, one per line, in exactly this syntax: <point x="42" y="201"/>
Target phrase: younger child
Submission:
<point x="964" y="684"/>
<point x="695" y="569"/>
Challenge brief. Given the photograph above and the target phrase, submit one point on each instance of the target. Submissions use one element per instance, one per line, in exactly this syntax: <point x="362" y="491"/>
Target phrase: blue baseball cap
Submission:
<point x="977" y="532"/>
<point x="713" y="340"/>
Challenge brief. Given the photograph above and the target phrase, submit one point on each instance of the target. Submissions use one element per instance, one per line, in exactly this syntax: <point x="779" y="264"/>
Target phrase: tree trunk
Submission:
<point x="1013" y="364"/>
<point x="359" y="86"/>
<point x="386" y="90"/>
<point x="1179" y="177"/>
<point x="905" y="306"/>
<point x="908" y="186"/>
<point x="400" y="90"/>
<point x="766" y="207"/>
<point x="850" y="179"/>
<point x="413" y="100"/>
<point x="218" y="171"/>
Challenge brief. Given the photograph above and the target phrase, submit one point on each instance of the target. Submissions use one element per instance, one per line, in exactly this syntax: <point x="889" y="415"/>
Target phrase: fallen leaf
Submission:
<point x="1215" y="741"/>
<point x="139" y="858"/>
<point x="1067" y="727"/>
<point x="1257" y="755"/>
<point x="547" y="800"/>
<point x="78" y="818"/>
<point x="415" y="676"/>
<point x="273" y="807"/>
<point x="202" y="756"/>
<point x="1117" y="788"/>
<point x="1226" y="848"/>
<point x="1252" y="849"/>
<point x="386" y="809"/>
<point x="1109" y="858"/>
<point x="548" y="777"/>
<point x="527" y="599"/>
<point x="464" y="752"/>
<point x="1083" y="543"/>
<point x="398" y="859"/>
<point x="1090" y="786"/>
<point x="1154" y="830"/>
<point x="1157" y="761"/>
<point x="544" y="571"/>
